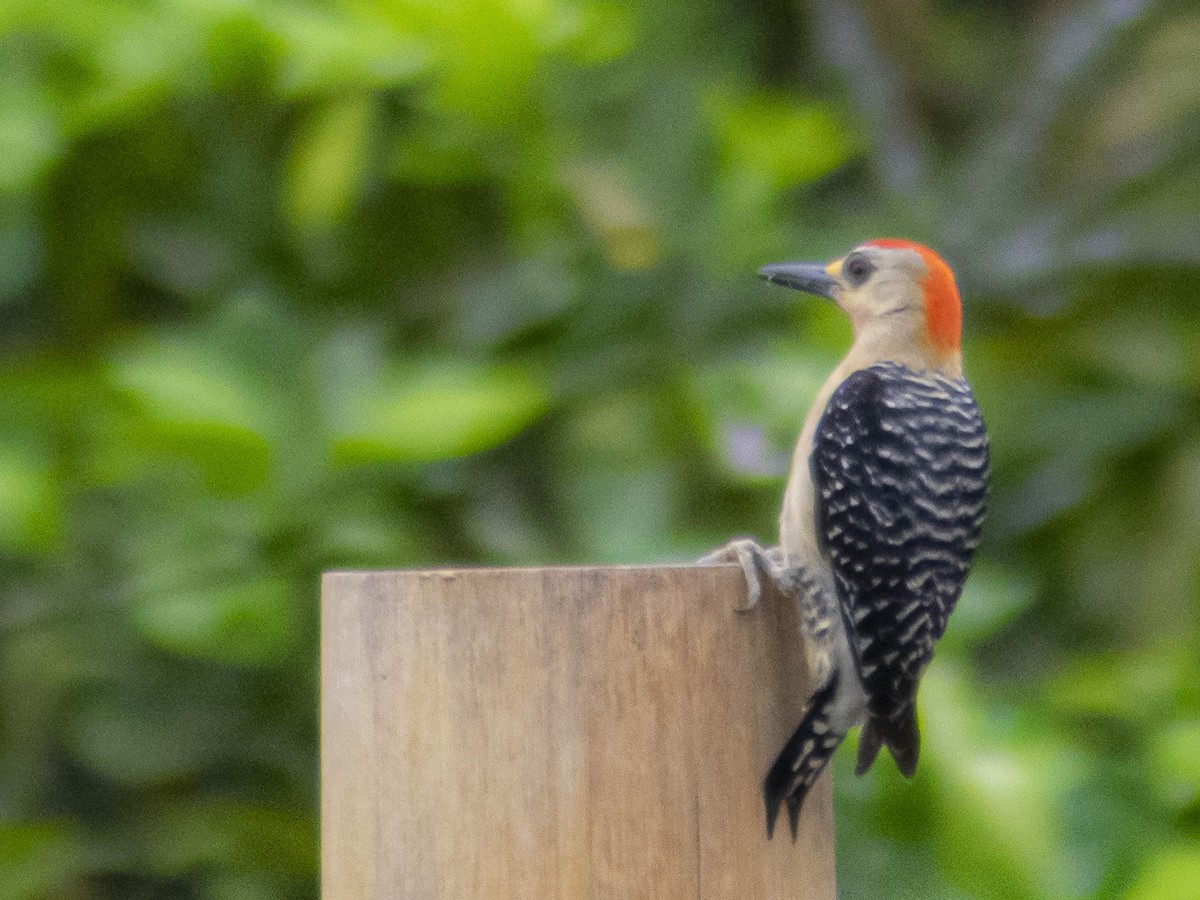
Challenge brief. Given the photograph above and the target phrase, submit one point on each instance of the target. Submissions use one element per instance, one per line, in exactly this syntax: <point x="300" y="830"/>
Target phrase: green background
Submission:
<point x="287" y="286"/>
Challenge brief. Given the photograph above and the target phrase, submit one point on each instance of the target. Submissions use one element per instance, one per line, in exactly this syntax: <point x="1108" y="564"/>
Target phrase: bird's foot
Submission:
<point x="759" y="564"/>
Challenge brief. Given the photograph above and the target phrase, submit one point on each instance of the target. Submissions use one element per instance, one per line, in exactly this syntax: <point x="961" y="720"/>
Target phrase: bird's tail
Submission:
<point x="802" y="759"/>
<point x="900" y="734"/>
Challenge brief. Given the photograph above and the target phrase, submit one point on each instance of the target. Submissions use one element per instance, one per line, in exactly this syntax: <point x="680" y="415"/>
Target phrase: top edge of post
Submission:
<point x="447" y="571"/>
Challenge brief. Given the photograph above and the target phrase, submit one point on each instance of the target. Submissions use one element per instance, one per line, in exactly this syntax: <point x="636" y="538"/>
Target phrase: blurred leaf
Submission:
<point x="1084" y="425"/>
<point x="356" y="49"/>
<point x="1134" y="685"/>
<point x="30" y="503"/>
<point x="1175" y="760"/>
<point x="782" y="141"/>
<point x="37" y="860"/>
<point x="598" y="31"/>
<point x="487" y="50"/>
<point x="1000" y="791"/>
<point x="993" y="597"/>
<point x="440" y="152"/>
<point x="140" y="735"/>
<point x="30" y="137"/>
<point x="1171" y="874"/>
<point x="241" y="886"/>
<point x="326" y="170"/>
<point x="623" y="515"/>
<point x="239" y="47"/>
<point x="768" y="144"/>
<point x="21" y="256"/>
<point x="251" y="837"/>
<point x="438" y="410"/>
<point x="138" y="59"/>
<point x="361" y="531"/>
<point x="1143" y="350"/>
<point x="616" y="213"/>
<point x="245" y="624"/>
<point x="196" y="403"/>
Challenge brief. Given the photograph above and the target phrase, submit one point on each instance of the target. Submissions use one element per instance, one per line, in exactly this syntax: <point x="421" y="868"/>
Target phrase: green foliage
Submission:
<point x="287" y="286"/>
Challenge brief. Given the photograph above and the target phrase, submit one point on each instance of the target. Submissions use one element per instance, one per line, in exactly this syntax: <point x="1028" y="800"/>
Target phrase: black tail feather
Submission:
<point x="802" y="759"/>
<point x="900" y="734"/>
<point x="869" y="743"/>
<point x="904" y="742"/>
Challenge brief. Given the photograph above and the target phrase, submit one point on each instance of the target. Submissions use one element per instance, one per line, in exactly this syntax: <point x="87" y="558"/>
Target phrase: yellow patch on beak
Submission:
<point x="834" y="269"/>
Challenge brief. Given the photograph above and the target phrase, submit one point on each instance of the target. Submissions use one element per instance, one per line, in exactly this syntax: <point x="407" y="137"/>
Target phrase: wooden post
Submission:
<point x="563" y="732"/>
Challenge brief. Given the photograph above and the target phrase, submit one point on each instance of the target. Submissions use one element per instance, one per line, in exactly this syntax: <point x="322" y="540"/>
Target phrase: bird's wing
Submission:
<point x="899" y="467"/>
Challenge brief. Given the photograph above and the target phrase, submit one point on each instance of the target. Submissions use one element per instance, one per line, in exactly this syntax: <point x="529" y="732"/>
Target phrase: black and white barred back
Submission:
<point x="900" y="471"/>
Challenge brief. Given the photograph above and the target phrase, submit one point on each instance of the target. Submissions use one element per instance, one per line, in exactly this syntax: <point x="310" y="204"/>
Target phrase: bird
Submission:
<point x="882" y="512"/>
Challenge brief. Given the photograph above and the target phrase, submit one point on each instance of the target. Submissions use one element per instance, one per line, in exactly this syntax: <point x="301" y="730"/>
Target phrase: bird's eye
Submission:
<point x="857" y="270"/>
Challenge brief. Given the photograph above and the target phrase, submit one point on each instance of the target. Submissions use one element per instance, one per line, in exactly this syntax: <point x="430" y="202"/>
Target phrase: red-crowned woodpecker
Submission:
<point x="882" y="511"/>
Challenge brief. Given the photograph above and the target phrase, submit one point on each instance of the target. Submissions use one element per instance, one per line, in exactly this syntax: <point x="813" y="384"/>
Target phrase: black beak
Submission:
<point x="808" y="277"/>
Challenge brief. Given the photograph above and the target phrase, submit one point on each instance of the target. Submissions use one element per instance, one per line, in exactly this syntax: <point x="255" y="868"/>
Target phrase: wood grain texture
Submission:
<point x="559" y="733"/>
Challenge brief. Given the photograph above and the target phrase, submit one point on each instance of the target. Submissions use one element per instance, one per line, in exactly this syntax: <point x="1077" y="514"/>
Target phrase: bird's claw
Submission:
<point x="758" y="565"/>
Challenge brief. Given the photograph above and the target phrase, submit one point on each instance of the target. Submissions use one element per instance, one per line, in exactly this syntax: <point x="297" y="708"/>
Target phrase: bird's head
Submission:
<point x="900" y="297"/>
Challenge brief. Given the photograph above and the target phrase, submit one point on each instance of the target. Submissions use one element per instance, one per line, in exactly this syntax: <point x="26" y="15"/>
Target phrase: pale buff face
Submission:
<point x="900" y="298"/>
<point x="881" y="292"/>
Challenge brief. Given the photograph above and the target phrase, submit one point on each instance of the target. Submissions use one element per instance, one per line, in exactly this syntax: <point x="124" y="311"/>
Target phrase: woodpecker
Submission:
<point x="882" y="511"/>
